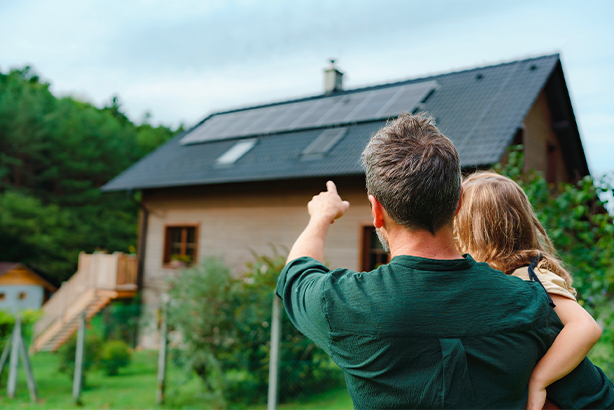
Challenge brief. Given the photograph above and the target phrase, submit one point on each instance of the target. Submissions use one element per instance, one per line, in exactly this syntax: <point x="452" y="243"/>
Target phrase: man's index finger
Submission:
<point x="330" y="185"/>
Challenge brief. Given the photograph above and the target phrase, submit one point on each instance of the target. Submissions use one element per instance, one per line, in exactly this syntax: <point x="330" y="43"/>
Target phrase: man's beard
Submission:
<point x="383" y="240"/>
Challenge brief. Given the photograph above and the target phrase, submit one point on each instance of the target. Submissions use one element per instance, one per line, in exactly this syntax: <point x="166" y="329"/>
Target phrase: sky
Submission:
<point x="179" y="60"/>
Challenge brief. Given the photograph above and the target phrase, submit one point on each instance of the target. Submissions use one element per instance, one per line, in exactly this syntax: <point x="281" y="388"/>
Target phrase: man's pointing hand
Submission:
<point x="327" y="205"/>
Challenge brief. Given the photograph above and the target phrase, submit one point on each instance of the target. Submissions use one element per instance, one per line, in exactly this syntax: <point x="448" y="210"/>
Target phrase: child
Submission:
<point x="496" y="224"/>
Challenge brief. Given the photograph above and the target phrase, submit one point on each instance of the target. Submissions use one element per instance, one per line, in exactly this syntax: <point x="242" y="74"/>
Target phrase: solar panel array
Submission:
<point x="366" y="105"/>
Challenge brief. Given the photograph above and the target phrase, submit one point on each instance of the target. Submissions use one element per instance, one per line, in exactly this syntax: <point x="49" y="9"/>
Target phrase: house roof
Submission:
<point x="19" y="268"/>
<point x="479" y="109"/>
<point x="7" y="266"/>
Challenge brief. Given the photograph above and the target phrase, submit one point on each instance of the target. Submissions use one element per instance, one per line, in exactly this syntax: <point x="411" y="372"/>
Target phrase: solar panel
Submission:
<point x="344" y="106"/>
<point x="409" y="99"/>
<point x="258" y="124"/>
<point x="314" y="116"/>
<point x="368" y="105"/>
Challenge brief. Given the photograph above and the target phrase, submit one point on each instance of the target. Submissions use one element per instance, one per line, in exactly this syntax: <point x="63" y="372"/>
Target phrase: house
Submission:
<point x="21" y="288"/>
<point x="240" y="179"/>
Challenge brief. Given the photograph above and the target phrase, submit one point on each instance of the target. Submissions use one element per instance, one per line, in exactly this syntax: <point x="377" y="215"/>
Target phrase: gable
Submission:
<point x="18" y="274"/>
<point x="479" y="110"/>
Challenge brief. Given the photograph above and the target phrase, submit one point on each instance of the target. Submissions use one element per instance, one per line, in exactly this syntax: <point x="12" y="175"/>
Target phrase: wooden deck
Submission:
<point x="100" y="278"/>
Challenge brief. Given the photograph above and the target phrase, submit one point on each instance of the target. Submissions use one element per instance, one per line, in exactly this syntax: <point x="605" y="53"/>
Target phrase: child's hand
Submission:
<point x="537" y="398"/>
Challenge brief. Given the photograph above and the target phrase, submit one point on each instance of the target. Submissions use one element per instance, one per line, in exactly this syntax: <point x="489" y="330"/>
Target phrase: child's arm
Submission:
<point x="579" y="334"/>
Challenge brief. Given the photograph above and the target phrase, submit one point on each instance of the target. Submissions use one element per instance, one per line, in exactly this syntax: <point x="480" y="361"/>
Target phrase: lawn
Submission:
<point x="133" y="388"/>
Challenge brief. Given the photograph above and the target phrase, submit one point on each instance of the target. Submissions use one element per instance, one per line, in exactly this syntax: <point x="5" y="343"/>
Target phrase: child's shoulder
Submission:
<point x="553" y="283"/>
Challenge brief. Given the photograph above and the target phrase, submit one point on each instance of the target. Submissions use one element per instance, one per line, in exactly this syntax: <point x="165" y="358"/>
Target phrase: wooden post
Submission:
<point x="29" y="376"/>
<point x="76" y="385"/>
<point x="15" y="341"/>
<point x="162" y="351"/>
<point x="5" y="355"/>
<point x="274" y="354"/>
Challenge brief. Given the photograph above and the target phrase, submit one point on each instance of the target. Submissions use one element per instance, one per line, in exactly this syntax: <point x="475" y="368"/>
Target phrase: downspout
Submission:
<point x="142" y="245"/>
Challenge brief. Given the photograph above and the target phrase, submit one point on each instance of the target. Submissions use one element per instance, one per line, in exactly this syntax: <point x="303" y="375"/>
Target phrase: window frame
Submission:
<point x="166" y="245"/>
<point x="367" y="248"/>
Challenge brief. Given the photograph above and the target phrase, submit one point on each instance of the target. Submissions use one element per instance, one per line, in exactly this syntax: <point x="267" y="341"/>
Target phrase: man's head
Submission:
<point x="413" y="170"/>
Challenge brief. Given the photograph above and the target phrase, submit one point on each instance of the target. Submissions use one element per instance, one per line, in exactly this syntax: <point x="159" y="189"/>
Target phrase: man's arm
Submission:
<point x="324" y="208"/>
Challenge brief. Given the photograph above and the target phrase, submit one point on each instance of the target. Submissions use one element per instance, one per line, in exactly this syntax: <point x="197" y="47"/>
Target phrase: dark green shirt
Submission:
<point x="423" y="333"/>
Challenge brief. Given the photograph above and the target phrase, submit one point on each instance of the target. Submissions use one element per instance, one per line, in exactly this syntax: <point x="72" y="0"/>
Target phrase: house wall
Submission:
<point x="538" y="136"/>
<point x="235" y="219"/>
<point x="10" y="301"/>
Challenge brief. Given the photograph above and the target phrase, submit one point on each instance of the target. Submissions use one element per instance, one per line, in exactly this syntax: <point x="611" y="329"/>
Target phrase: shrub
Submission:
<point x="225" y="325"/>
<point x="91" y="356"/>
<point x="581" y="229"/>
<point x="7" y="322"/>
<point x="114" y="355"/>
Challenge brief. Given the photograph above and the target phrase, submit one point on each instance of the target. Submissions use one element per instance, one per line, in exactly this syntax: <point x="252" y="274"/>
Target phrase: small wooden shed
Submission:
<point x="21" y="288"/>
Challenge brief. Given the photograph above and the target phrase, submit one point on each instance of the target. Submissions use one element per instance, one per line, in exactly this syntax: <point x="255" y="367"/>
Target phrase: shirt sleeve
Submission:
<point x="552" y="282"/>
<point x="301" y="287"/>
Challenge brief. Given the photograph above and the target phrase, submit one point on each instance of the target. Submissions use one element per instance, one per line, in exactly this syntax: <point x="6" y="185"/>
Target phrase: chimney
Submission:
<point x="333" y="79"/>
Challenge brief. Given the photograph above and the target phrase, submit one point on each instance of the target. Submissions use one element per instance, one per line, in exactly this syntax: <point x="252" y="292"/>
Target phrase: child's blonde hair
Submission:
<point x="496" y="224"/>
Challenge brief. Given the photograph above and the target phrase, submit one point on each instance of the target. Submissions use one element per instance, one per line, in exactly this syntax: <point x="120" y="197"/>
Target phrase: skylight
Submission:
<point x="236" y="151"/>
<point x="323" y="143"/>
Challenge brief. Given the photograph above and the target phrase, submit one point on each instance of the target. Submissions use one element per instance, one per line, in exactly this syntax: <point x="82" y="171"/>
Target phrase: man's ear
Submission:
<point x="377" y="210"/>
<point x="460" y="202"/>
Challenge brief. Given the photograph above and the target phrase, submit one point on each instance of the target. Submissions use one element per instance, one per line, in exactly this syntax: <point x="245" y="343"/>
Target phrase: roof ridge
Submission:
<point x="375" y="86"/>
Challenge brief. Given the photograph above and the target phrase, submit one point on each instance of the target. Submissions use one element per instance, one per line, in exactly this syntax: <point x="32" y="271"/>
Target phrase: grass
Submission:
<point x="133" y="388"/>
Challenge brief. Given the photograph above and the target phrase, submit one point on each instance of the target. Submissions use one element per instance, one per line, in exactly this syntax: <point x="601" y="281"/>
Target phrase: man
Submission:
<point x="433" y="328"/>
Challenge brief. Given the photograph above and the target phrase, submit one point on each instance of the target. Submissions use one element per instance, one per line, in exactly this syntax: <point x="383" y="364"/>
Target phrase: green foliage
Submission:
<point x="225" y="325"/>
<point x="35" y="234"/>
<point x="581" y="230"/>
<point x="7" y="322"/>
<point x="55" y="153"/>
<point x="120" y="320"/>
<point x="114" y="355"/>
<point x="91" y="355"/>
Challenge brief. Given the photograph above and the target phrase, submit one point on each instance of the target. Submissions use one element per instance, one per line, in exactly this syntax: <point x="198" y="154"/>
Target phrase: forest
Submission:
<point x="55" y="154"/>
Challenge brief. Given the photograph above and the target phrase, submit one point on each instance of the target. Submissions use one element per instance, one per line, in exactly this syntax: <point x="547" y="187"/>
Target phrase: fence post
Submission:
<point x="76" y="385"/>
<point x="29" y="376"/>
<point x="5" y="355"/>
<point x="162" y="351"/>
<point x="15" y="341"/>
<point x="274" y="354"/>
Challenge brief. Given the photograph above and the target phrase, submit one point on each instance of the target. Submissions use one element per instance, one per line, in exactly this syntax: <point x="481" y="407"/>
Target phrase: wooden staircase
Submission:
<point x="100" y="278"/>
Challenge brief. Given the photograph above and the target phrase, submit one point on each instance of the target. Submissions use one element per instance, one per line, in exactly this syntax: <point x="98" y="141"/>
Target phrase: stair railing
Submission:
<point x="96" y="271"/>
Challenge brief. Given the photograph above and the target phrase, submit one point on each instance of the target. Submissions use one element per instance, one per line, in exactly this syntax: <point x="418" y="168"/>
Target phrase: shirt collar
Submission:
<point x="416" y="262"/>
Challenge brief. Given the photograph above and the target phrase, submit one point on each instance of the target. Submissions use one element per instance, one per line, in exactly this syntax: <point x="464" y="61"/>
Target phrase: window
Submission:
<point x="373" y="253"/>
<point x="323" y="143"/>
<point x="180" y="245"/>
<point x="551" y="164"/>
<point x="235" y="152"/>
<point x="2" y="295"/>
<point x="23" y="295"/>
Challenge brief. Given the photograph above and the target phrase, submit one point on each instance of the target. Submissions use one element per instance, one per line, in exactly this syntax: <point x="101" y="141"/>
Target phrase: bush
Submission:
<point x="91" y="356"/>
<point x="225" y="325"/>
<point x="581" y="229"/>
<point x="114" y="355"/>
<point x="7" y="322"/>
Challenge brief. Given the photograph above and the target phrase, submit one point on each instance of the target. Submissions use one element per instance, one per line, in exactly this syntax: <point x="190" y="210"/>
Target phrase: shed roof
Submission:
<point x="479" y="109"/>
<point x="21" y="269"/>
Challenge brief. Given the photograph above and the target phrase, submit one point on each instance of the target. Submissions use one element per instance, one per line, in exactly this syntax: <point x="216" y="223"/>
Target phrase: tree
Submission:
<point x="55" y="154"/>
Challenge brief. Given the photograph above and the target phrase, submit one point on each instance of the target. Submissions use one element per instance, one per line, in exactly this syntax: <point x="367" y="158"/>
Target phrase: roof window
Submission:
<point x="236" y="151"/>
<point x="323" y="143"/>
